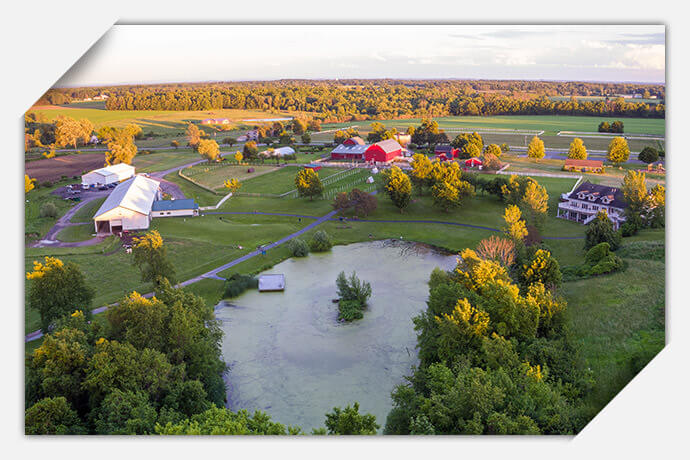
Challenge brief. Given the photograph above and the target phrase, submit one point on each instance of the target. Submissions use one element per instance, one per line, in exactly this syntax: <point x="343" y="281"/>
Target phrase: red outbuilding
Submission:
<point x="383" y="151"/>
<point x="354" y="141"/>
<point x="472" y="162"/>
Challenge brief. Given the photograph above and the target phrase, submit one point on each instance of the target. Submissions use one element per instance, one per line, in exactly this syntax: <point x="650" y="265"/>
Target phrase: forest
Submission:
<point x="345" y="100"/>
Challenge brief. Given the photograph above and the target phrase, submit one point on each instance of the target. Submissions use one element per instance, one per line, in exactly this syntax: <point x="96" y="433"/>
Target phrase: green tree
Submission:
<point x="349" y="421"/>
<point x="577" y="150"/>
<point x="600" y="230"/>
<point x="121" y="146"/>
<point x="618" y="151"/>
<point x="308" y="183"/>
<point x="57" y="289"/>
<point x="421" y="171"/>
<point x="125" y="412"/>
<point x="52" y="416"/>
<point x="306" y="138"/>
<point x="535" y="149"/>
<point x="150" y="256"/>
<point x="250" y="150"/>
<point x="217" y="421"/>
<point x="299" y="126"/>
<point x="540" y="267"/>
<point x="535" y="204"/>
<point x="320" y="242"/>
<point x="194" y="135"/>
<point x="648" y="155"/>
<point x="493" y="149"/>
<point x="69" y="131"/>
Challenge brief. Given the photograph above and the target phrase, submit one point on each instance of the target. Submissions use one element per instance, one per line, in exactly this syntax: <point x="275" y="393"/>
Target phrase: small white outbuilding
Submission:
<point x="128" y="207"/>
<point x="281" y="151"/>
<point x="108" y="175"/>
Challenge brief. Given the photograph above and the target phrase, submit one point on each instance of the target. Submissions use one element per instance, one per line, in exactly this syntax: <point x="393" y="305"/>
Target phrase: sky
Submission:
<point x="141" y="54"/>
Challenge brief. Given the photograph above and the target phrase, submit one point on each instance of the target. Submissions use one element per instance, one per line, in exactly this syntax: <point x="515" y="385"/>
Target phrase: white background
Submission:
<point x="40" y="42"/>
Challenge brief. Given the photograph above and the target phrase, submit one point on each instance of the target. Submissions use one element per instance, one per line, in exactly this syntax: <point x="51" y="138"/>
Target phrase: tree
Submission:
<point x="121" y="146"/>
<point x="648" y="155"/>
<point x="349" y="421"/>
<point x="320" y="242"/>
<point x="238" y="157"/>
<point x="208" y="149"/>
<point x="194" y="135"/>
<point x="535" y="204"/>
<point x="221" y="421"/>
<point x="250" y="150"/>
<point x="445" y="196"/>
<point x="618" y="151"/>
<point x="69" y="131"/>
<point x="421" y="171"/>
<point x="656" y="207"/>
<point x="617" y="127"/>
<point x="314" y="125"/>
<point x="635" y="190"/>
<point x="604" y="127"/>
<point x="399" y="188"/>
<point x="577" y="150"/>
<point x="469" y="144"/>
<point x="515" y="226"/>
<point x="600" y="230"/>
<point x="298" y="247"/>
<point x="29" y="184"/>
<point x="498" y="250"/>
<point x="150" y="256"/>
<point x="308" y="183"/>
<point x="57" y="289"/>
<point x="491" y="162"/>
<point x="306" y="138"/>
<point x="493" y="149"/>
<point x="362" y="203"/>
<point x="298" y="126"/>
<point x="125" y="412"/>
<point x="174" y="144"/>
<point x="535" y="149"/>
<point x="542" y="268"/>
<point x="233" y="185"/>
<point x="52" y="416"/>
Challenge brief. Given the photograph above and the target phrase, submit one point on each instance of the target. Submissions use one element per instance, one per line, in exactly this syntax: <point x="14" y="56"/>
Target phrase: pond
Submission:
<point x="289" y="356"/>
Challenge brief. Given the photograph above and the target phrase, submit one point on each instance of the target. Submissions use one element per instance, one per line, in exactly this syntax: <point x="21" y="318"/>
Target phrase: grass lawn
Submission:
<point x="619" y="321"/>
<point x="159" y="161"/>
<point x="86" y="212"/>
<point x="213" y="176"/>
<point x="35" y="226"/>
<point x="551" y="124"/>
<point x="74" y="233"/>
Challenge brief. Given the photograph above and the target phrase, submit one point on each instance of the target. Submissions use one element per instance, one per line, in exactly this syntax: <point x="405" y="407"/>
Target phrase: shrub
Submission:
<point x="353" y="288"/>
<point x="601" y="230"/>
<point x="298" y="248"/>
<point x="648" y="155"/>
<point x="48" y="210"/>
<point x="350" y="310"/>
<point x="597" y="253"/>
<point x="237" y="284"/>
<point x="320" y="242"/>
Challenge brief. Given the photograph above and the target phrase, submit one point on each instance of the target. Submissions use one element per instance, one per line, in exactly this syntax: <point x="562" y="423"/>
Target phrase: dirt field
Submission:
<point x="72" y="165"/>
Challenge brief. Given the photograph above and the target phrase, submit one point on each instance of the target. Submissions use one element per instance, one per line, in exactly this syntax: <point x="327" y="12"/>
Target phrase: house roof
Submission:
<point x="600" y="191"/>
<point x="120" y="168"/>
<point x="357" y="140"/>
<point x="584" y="163"/>
<point x="350" y="149"/>
<point x="388" y="146"/>
<point x="174" y="205"/>
<point x="445" y="148"/>
<point x="136" y="194"/>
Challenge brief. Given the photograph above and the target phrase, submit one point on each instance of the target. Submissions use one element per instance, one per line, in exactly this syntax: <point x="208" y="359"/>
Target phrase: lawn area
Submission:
<point x="86" y="212"/>
<point x="159" y="161"/>
<point x="551" y="124"/>
<point x="35" y="226"/>
<point x="619" y="320"/>
<point x="74" y="233"/>
<point x="214" y="175"/>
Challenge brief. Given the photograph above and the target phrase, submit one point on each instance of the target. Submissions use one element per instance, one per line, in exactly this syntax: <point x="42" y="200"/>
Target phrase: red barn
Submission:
<point x="348" y="152"/>
<point x="354" y="141"/>
<point x="472" y="162"/>
<point x="383" y="151"/>
<point x="446" y="150"/>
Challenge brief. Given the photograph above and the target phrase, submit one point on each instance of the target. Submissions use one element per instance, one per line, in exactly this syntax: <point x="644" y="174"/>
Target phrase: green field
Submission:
<point x="550" y="124"/>
<point x="213" y="176"/>
<point x="159" y="161"/>
<point x="86" y="212"/>
<point x="81" y="232"/>
<point x="36" y="226"/>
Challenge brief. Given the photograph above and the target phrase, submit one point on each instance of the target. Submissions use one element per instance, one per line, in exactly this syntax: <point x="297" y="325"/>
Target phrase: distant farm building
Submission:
<point x="584" y="165"/>
<point x="108" y="175"/>
<point x="128" y="207"/>
<point x="403" y="139"/>
<point x="215" y="121"/>
<point x="174" y="208"/>
<point x="315" y="167"/>
<point x="383" y="152"/>
<point x="473" y="162"/>
<point x="282" y="151"/>
<point x="354" y="141"/>
<point x="445" y="151"/>
<point x="349" y="152"/>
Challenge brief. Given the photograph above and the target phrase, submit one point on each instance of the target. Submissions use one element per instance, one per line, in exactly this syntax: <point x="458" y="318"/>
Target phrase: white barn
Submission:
<point x="108" y="175"/>
<point x="279" y="152"/>
<point x="175" y="208"/>
<point x="128" y="207"/>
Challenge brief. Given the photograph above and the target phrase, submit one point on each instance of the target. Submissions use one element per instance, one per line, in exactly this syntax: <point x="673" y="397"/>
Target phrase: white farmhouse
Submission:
<point x="108" y="175"/>
<point x="128" y="207"/>
<point x="584" y="202"/>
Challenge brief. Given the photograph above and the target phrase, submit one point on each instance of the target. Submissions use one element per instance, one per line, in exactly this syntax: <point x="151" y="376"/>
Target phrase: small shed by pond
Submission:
<point x="268" y="283"/>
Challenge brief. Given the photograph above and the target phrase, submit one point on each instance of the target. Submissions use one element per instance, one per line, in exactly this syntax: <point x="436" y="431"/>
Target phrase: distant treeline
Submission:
<point x="345" y="100"/>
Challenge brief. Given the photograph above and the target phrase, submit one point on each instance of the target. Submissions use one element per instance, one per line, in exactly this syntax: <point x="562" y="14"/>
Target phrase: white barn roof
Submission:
<point x="119" y="169"/>
<point x="136" y="194"/>
<point x="284" y="151"/>
<point x="350" y="149"/>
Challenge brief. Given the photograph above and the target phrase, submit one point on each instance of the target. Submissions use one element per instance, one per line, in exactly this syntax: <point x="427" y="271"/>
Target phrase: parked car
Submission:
<point x="103" y="187"/>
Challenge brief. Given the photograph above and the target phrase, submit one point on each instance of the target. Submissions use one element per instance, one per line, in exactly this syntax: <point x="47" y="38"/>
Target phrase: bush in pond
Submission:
<point x="298" y="248"/>
<point x="237" y="284"/>
<point x="321" y="242"/>
<point x="353" y="294"/>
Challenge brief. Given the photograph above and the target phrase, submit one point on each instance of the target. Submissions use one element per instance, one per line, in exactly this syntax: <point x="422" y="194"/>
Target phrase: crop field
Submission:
<point x="550" y="124"/>
<point x="50" y="169"/>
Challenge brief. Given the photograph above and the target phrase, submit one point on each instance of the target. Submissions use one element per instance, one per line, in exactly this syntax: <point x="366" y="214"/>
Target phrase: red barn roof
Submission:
<point x="383" y="151"/>
<point x="354" y="141"/>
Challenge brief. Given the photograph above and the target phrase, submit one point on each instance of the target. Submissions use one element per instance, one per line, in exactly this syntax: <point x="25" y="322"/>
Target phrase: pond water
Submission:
<point x="289" y="356"/>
